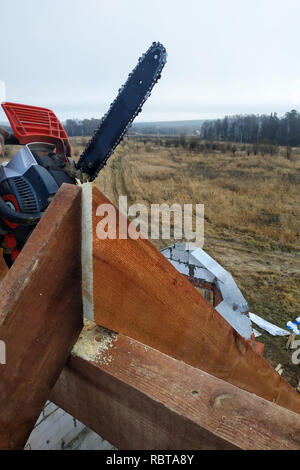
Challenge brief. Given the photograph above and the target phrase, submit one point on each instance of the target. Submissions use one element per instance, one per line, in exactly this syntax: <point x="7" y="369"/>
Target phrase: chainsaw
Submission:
<point x="30" y="180"/>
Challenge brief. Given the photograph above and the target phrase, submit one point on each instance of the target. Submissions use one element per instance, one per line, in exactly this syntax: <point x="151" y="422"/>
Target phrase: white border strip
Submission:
<point x="87" y="252"/>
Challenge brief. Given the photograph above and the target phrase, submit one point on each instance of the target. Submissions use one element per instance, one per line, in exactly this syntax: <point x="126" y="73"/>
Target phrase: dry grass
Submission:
<point x="252" y="196"/>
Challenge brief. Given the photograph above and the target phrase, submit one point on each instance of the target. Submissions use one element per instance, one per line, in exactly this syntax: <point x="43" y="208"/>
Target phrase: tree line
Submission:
<point x="75" y="128"/>
<point x="242" y="128"/>
<point x="251" y="128"/>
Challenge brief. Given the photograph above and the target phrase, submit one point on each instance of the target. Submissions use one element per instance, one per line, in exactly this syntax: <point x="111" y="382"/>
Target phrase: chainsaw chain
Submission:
<point x="157" y="76"/>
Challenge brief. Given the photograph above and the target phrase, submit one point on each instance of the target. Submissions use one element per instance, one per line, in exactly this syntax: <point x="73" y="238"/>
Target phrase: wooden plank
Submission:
<point x="3" y="266"/>
<point x="40" y="316"/>
<point x="137" y="292"/>
<point x="138" y="398"/>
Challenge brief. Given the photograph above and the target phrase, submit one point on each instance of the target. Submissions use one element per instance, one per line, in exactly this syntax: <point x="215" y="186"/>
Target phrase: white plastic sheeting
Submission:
<point x="268" y="326"/>
<point x="199" y="265"/>
<point x="256" y="333"/>
<point x="293" y="326"/>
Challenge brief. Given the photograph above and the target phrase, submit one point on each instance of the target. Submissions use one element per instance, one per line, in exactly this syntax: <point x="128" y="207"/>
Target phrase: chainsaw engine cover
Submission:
<point x="27" y="185"/>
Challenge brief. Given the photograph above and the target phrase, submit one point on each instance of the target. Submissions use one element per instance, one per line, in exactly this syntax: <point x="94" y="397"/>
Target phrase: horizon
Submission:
<point x="141" y="122"/>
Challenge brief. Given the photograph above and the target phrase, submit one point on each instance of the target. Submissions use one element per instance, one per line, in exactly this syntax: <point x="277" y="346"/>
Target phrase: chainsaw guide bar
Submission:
<point x="122" y="112"/>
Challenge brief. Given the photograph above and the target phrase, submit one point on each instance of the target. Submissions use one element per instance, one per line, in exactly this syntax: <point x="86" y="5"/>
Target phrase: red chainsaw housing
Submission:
<point x="35" y="124"/>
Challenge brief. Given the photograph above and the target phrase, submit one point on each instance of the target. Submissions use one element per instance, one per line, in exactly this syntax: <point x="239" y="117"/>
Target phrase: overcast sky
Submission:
<point x="224" y="56"/>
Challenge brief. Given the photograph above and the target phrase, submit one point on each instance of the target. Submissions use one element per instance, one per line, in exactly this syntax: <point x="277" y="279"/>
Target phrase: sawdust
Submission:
<point x="94" y="343"/>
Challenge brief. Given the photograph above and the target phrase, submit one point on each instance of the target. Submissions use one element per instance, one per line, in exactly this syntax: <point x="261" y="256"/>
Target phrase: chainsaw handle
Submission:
<point x="18" y="217"/>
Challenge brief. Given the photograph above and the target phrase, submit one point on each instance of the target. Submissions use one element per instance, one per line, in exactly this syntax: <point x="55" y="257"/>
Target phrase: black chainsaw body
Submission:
<point x="27" y="185"/>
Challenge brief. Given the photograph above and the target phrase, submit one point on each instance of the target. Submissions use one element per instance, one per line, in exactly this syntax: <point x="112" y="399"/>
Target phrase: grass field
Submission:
<point x="252" y="217"/>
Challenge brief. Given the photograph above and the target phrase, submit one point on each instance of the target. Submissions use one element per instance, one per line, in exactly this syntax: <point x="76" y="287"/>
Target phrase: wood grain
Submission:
<point x="40" y="316"/>
<point x="137" y="292"/>
<point x="3" y="266"/>
<point x="136" y="397"/>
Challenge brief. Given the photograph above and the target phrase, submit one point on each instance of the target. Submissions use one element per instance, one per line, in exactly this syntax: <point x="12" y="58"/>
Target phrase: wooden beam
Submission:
<point x="139" y="398"/>
<point x="40" y="316"/>
<point x="137" y="292"/>
<point x="3" y="266"/>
